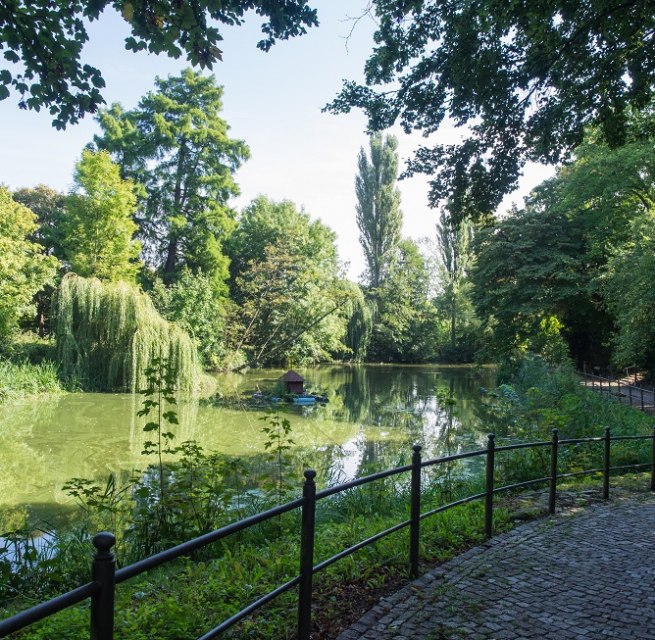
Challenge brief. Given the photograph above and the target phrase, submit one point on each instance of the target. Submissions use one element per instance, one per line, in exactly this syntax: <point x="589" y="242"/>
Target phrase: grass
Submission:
<point x="186" y="598"/>
<point x="21" y="379"/>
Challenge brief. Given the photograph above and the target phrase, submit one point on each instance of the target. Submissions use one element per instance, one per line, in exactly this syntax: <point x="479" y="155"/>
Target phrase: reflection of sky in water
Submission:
<point x="347" y="466"/>
<point x="374" y="416"/>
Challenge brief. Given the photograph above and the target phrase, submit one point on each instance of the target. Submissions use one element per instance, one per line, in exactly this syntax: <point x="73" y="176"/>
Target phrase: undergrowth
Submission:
<point x="199" y="492"/>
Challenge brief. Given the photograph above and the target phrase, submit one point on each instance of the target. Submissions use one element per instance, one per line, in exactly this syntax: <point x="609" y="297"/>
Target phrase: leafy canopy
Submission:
<point x="379" y="217"/>
<point x="98" y="225"/>
<point x="42" y="41"/>
<point x="525" y="78"/>
<point x="25" y="269"/>
<point x="48" y="205"/>
<point x="175" y="145"/>
<point x="286" y="279"/>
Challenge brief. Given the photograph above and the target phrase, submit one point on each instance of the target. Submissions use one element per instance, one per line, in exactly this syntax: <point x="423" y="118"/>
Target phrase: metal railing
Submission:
<point x="105" y="577"/>
<point x="632" y="394"/>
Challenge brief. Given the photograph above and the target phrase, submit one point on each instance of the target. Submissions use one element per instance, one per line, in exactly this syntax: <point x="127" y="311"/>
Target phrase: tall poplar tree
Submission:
<point x="379" y="217"/>
<point x="453" y="240"/>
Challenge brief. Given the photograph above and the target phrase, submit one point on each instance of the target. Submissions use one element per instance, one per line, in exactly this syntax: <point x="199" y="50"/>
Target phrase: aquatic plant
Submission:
<point x="109" y="333"/>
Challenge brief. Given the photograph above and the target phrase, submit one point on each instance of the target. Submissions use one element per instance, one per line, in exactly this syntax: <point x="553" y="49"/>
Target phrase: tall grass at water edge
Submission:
<point x="20" y="379"/>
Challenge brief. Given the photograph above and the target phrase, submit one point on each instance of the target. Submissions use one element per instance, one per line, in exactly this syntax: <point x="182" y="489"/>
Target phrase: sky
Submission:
<point x="272" y="100"/>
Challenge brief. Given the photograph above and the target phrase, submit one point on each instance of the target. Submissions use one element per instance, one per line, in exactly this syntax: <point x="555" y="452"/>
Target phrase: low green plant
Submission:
<point x="159" y="392"/>
<point x="19" y="379"/>
<point x="278" y="441"/>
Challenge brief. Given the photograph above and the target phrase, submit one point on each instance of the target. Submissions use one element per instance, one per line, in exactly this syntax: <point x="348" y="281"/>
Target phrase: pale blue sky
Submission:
<point x="272" y="101"/>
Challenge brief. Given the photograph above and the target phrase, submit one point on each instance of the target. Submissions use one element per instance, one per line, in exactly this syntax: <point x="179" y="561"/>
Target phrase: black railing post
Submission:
<point x="618" y="384"/>
<point x="307" y="556"/>
<point x="606" y="465"/>
<point x="641" y="392"/>
<point x="415" y="512"/>
<point x="489" y="499"/>
<point x="630" y="394"/>
<point x="652" y="469"/>
<point x="103" y="570"/>
<point x="552" y="493"/>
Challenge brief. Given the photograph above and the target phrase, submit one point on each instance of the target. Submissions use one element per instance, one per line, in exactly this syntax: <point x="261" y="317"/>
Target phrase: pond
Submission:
<point x="374" y="415"/>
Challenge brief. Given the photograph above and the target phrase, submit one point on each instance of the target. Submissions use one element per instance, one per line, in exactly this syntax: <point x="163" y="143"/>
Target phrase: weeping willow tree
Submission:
<point x="107" y="334"/>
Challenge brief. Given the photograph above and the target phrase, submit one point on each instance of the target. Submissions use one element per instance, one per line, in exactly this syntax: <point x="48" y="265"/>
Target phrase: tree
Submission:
<point x="98" y="224"/>
<point x="289" y="293"/>
<point x="607" y="197"/>
<point x="529" y="271"/>
<point x="525" y="79"/>
<point x="379" y="217"/>
<point x="360" y="325"/>
<point x="628" y="293"/>
<point x="404" y="321"/>
<point x="109" y="334"/>
<point x="43" y="41"/>
<point x="48" y="205"/>
<point x="175" y="145"/>
<point x="454" y="256"/>
<point x="24" y="268"/>
<point x="454" y="299"/>
<point x="190" y="302"/>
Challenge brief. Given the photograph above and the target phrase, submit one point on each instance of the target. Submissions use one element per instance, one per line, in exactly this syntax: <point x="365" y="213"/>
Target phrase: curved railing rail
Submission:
<point x="632" y="394"/>
<point x="105" y="577"/>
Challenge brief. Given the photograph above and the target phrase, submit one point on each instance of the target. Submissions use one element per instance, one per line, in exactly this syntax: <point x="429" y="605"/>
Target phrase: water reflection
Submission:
<point x="373" y="417"/>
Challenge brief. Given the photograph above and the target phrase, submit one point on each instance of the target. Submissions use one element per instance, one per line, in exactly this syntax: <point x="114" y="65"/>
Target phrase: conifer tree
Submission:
<point x="98" y="224"/>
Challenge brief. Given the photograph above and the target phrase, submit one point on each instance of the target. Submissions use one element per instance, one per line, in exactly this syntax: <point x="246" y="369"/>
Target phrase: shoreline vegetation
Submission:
<point x="20" y="380"/>
<point x="201" y="491"/>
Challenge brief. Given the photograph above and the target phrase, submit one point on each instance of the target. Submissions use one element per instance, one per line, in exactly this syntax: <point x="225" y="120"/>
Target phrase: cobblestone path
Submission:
<point x="587" y="576"/>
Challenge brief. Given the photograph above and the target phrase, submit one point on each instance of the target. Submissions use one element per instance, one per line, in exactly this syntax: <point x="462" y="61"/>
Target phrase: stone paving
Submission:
<point x="585" y="576"/>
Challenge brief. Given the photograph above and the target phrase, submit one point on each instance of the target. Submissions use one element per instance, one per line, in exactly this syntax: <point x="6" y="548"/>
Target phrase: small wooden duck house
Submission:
<point x="293" y="382"/>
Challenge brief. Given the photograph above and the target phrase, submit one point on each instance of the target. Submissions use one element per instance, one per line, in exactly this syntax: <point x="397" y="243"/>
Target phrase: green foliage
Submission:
<point x="286" y="279"/>
<point x="18" y="379"/>
<point x="97" y="221"/>
<point x="43" y="41"/>
<point x="175" y="145"/>
<point x="629" y="295"/>
<point x="277" y="430"/>
<point x="379" y="217"/>
<point x="572" y="268"/>
<point x="360" y="325"/>
<point x="527" y="276"/>
<point x="25" y="269"/>
<point x="453" y="302"/>
<point x="109" y="333"/>
<point x="190" y="302"/>
<point x="48" y="205"/>
<point x="527" y="81"/>
<point x="159" y="392"/>
<point x="404" y="323"/>
<point x="540" y="397"/>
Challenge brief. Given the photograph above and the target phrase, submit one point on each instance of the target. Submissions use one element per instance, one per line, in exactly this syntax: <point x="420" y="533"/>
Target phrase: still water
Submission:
<point x="373" y="417"/>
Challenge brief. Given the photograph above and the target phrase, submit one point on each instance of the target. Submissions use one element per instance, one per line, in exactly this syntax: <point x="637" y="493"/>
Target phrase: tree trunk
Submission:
<point x="171" y="261"/>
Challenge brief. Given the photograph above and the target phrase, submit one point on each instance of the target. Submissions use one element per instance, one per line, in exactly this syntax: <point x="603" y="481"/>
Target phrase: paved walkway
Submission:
<point x="586" y="576"/>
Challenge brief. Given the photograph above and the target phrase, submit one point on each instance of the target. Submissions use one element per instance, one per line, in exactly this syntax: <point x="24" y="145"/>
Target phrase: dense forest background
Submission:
<point x="145" y="254"/>
<point x="146" y="257"/>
